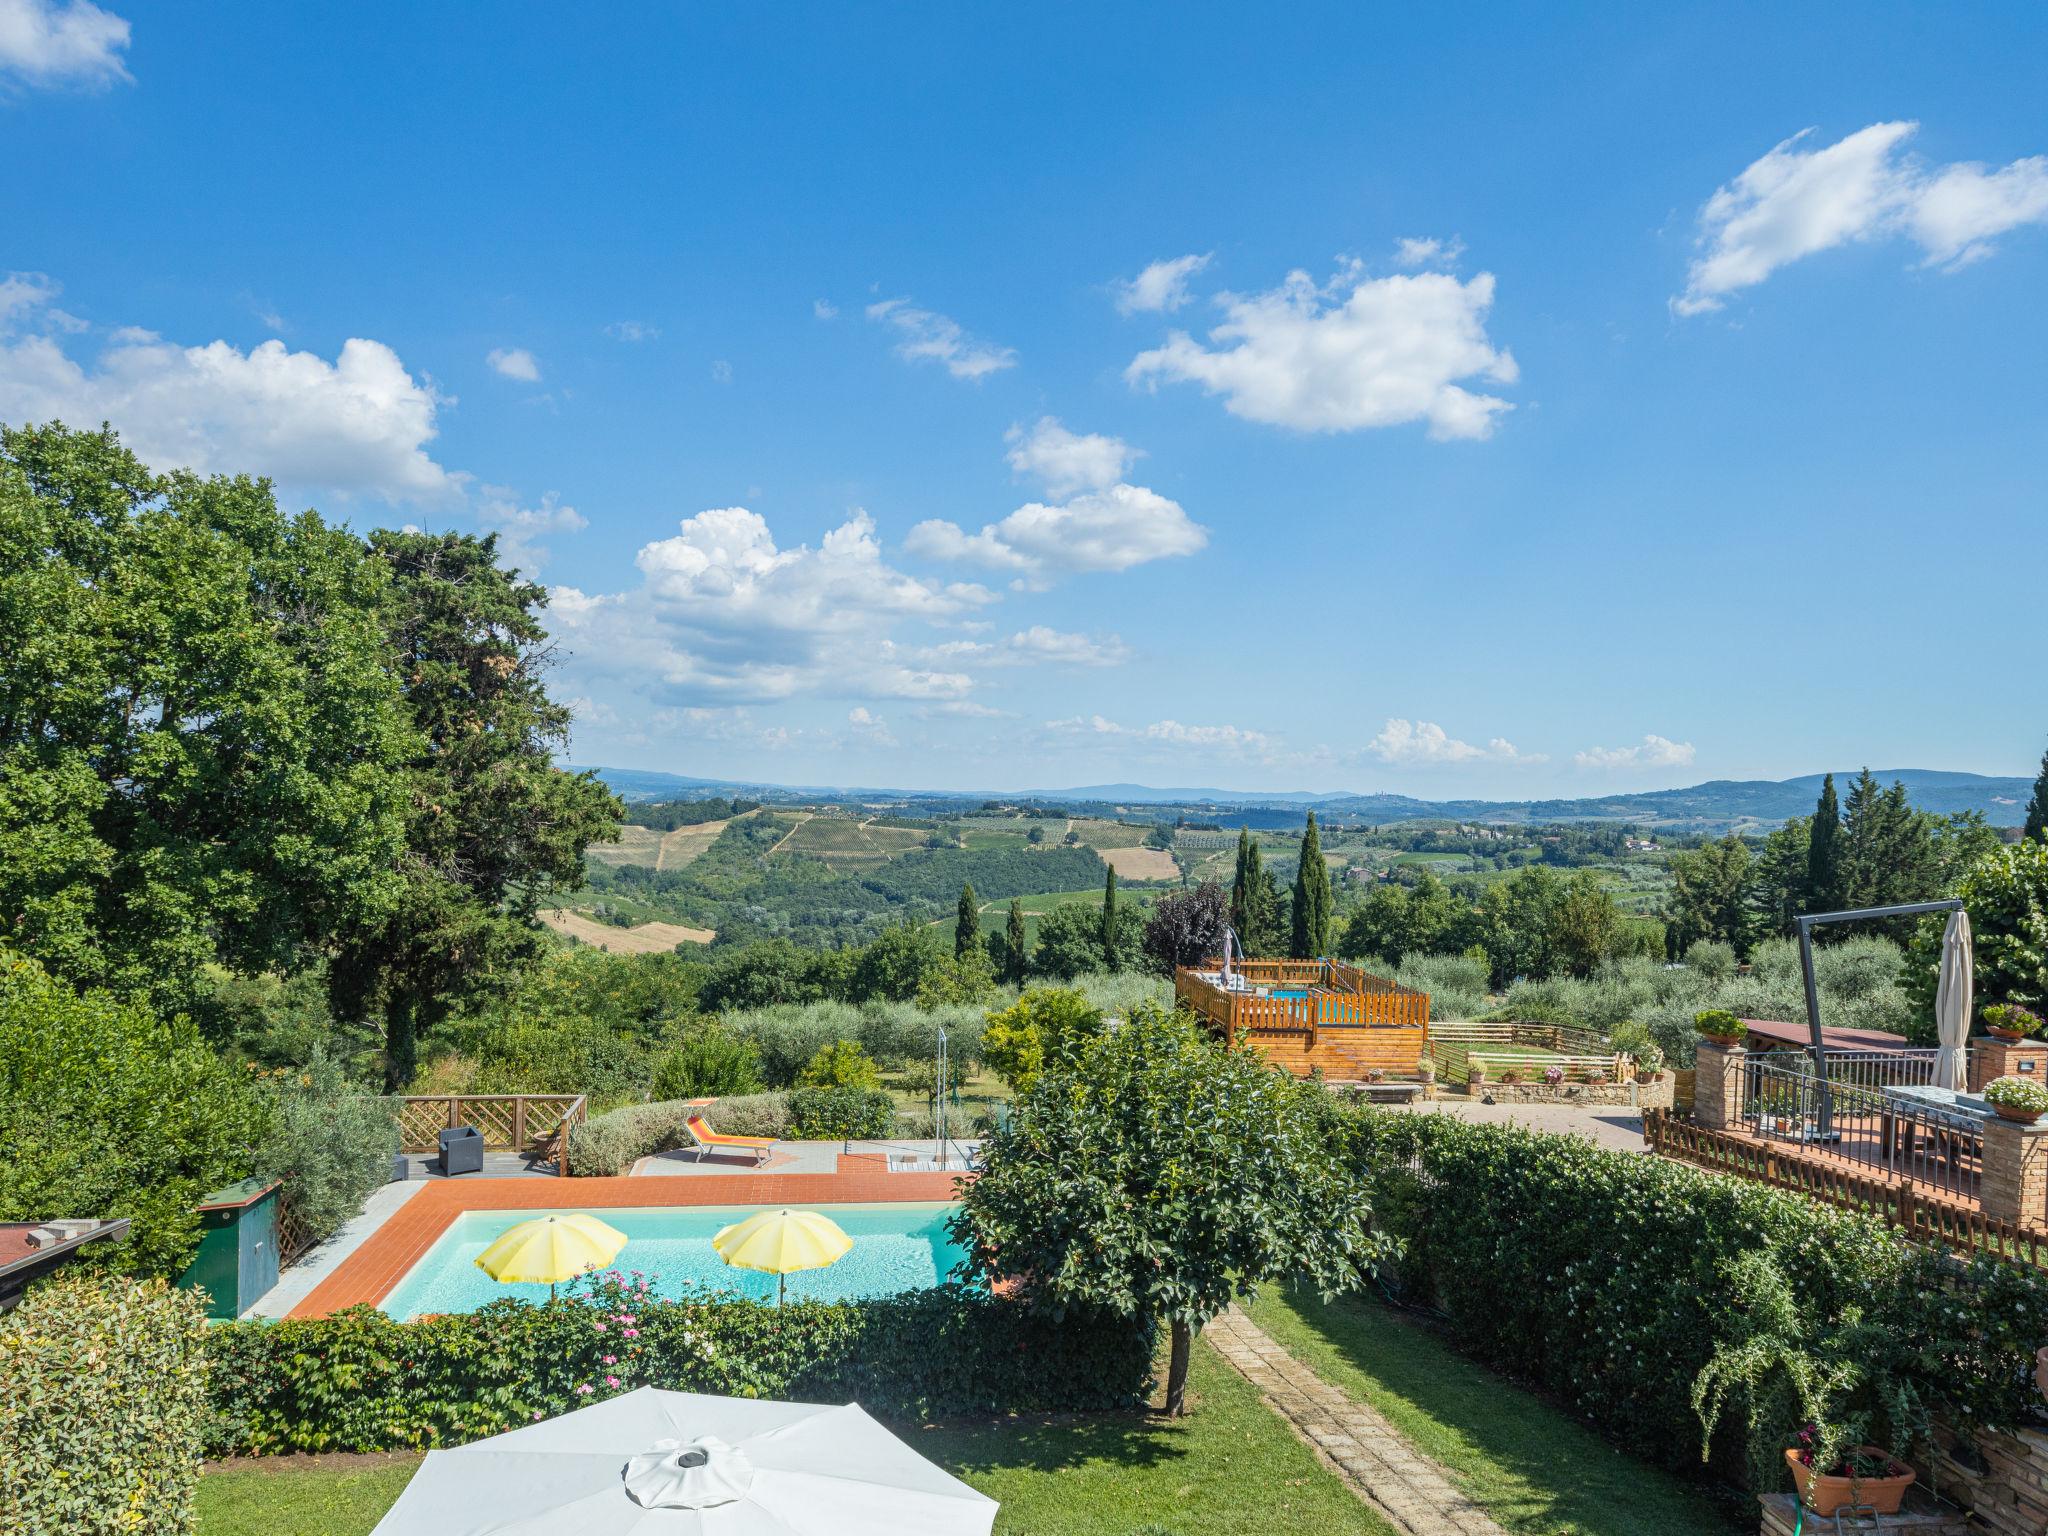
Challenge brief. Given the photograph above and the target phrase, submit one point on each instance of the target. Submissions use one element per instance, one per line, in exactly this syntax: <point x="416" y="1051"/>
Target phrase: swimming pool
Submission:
<point x="897" y="1246"/>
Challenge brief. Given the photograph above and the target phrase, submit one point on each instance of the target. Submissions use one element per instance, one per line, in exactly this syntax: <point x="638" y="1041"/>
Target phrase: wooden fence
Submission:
<point x="517" y="1122"/>
<point x="1920" y="1215"/>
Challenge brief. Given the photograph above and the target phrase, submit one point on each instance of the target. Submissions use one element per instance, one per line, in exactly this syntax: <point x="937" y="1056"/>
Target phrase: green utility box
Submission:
<point x="237" y="1260"/>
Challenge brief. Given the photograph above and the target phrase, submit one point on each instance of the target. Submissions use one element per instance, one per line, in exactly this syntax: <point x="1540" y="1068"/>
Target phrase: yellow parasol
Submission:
<point x="549" y="1249"/>
<point x="780" y="1242"/>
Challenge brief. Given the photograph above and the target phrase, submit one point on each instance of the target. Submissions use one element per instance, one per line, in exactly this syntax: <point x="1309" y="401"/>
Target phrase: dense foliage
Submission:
<point x="108" y="1110"/>
<point x="104" y="1407"/>
<point x="829" y="1113"/>
<point x="2006" y="895"/>
<point x="1186" y="927"/>
<point x="1310" y="910"/>
<point x="1158" y="1177"/>
<point x="609" y="1144"/>
<point x="328" y="1142"/>
<point x="1533" y="923"/>
<point x="1629" y="1285"/>
<point x="1046" y="1026"/>
<point x="359" y="1381"/>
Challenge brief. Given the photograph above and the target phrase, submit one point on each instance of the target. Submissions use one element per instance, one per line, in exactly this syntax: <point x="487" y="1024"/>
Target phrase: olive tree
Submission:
<point x="1159" y="1176"/>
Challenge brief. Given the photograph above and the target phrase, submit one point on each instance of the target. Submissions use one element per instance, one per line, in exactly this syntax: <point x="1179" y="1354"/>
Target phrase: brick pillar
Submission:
<point x="1716" y="1082"/>
<point x="1992" y="1057"/>
<point x="2014" y="1186"/>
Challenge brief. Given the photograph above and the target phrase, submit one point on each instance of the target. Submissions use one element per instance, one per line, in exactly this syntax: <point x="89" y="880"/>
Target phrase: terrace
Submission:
<point x="1309" y="1015"/>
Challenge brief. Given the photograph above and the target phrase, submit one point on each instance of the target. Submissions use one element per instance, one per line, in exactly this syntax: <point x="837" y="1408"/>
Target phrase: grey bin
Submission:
<point x="462" y="1150"/>
<point x="401" y="1167"/>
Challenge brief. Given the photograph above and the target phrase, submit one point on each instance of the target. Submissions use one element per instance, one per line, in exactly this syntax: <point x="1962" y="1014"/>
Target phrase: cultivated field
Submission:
<point x="636" y="845"/>
<point x="661" y="850"/>
<point x="1141" y="863"/>
<point x="646" y="939"/>
<point x="846" y="843"/>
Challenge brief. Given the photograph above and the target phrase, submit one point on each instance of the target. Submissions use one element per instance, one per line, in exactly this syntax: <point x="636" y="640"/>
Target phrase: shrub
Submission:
<point x="842" y="1064"/>
<point x="609" y="1144"/>
<point x="361" y="1381"/>
<point x="1717" y="1021"/>
<point x="789" y="1036"/>
<point x="107" y="1110"/>
<point x="589" y="1055"/>
<point x="330" y="1142"/>
<point x="831" y="1114"/>
<point x="896" y="1034"/>
<point x="101" y="1419"/>
<point x="1619" y="1296"/>
<point x="1044" y="1027"/>
<point x="2023" y="1093"/>
<point x="710" y="1062"/>
<point x="1712" y="959"/>
<point x="1456" y="984"/>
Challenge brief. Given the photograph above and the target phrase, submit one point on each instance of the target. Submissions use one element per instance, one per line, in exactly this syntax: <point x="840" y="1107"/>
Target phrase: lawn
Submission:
<point x="1535" y="1469"/>
<point x="1115" y="1475"/>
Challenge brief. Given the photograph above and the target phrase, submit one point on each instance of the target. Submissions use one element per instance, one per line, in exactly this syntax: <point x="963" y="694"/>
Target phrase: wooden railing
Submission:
<point x="519" y="1122"/>
<point x="1337" y="996"/>
<point x="1921" y="1215"/>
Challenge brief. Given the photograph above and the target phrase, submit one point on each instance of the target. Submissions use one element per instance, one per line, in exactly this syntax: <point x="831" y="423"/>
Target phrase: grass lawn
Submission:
<point x="1112" y="1476"/>
<point x="1533" y="1468"/>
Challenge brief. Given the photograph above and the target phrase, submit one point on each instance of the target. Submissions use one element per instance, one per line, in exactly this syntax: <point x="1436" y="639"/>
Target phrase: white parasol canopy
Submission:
<point x="653" y="1463"/>
<point x="1952" y="1003"/>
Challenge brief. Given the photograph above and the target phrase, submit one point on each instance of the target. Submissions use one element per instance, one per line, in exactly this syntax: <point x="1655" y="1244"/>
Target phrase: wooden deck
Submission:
<point x="1312" y="1015"/>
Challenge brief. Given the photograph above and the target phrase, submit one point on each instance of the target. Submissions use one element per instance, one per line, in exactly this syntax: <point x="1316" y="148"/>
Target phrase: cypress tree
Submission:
<point x="1311" y="910"/>
<point x="967" y="925"/>
<point x="1824" y="852"/>
<point x="1109" y="954"/>
<point x="2037" y="808"/>
<point x="1015" y="950"/>
<point x="1251" y="897"/>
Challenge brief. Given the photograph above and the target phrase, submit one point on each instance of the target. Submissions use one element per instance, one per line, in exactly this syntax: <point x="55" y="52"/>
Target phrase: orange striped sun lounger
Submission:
<point x="713" y="1141"/>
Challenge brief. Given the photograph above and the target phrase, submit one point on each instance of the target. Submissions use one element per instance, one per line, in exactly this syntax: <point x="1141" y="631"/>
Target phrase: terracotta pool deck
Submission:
<point x="369" y="1273"/>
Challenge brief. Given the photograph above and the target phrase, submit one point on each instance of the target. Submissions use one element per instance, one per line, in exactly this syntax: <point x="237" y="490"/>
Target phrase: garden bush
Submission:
<point x="1608" y="1278"/>
<point x="1456" y="984"/>
<point x="361" y="1381"/>
<point x="590" y="1055"/>
<point x="841" y="1064"/>
<point x="609" y="1144"/>
<point x="829" y="1114"/>
<point x="789" y="1035"/>
<point x="107" y="1110"/>
<point x="103" y="1409"/>
<point x="709" y="1062"/>
<point x="330" y="1142"/>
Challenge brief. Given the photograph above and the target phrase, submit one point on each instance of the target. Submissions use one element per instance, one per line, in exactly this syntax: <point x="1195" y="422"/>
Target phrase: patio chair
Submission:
<point x="709" y="1140"/>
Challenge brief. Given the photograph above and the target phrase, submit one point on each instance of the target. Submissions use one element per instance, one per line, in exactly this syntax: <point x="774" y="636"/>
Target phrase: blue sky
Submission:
<point x="1506" y="401"/>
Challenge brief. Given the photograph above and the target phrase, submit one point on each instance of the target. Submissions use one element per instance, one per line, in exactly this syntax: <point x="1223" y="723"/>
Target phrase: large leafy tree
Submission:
<point x="1890" y="851"/>
<point x="2037" y="808"/>
<point x="1586" y="925"/>
<point x="1159" y="1177"/>
<point x="492" y="825"/>
<point x="1779" y="891"/>
<point x="1312" y="908"/>
<point x="203" y="749"/>
<point x="1710" y="895"/>
<point x="2006" y="894"/>
<point x="1185" y="927"/>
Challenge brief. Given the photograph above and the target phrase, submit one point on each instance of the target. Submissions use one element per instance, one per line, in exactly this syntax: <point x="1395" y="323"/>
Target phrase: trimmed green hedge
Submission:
<point x="611" y="1143"/>
<point x="360" y="1381"/>
<point x="102" y="1405"/>
<point x="1604" y="1277"/>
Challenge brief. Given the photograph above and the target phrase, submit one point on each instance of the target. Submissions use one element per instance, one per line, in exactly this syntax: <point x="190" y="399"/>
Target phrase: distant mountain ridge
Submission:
<point x="1718" y="802"/>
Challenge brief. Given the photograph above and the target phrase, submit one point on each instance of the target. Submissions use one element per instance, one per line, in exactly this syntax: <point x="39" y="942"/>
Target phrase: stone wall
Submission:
<point x="1636" y="1095"/>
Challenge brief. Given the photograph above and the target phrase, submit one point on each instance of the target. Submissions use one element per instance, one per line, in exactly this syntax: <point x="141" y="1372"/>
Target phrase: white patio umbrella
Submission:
<point x="1952" y="1003"/>
<point x="653" y="1463"/>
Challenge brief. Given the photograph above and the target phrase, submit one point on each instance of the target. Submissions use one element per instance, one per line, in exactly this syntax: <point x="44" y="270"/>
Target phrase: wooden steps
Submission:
<point x="1339" y="1052"/>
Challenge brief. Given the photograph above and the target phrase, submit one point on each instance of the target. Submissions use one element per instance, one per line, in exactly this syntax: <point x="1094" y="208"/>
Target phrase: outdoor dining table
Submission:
<point x="1943" y="1111"/>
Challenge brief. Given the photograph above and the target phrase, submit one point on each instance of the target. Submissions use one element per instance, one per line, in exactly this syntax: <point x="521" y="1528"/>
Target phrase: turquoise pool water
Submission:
<point x="898" y="1246"/>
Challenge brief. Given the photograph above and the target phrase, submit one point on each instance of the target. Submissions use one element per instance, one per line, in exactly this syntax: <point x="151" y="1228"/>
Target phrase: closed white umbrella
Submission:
<point x="1952" y="1003"/>
<point x="654" y="1463"/>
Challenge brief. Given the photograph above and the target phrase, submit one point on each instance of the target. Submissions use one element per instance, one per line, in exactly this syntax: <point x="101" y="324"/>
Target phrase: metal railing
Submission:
<point x="1857" y="1117"/>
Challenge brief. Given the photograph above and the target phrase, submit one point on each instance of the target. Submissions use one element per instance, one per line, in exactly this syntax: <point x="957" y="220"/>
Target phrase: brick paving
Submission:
<point x="369" y="1273"/>
<point x="1381" y="1467"/>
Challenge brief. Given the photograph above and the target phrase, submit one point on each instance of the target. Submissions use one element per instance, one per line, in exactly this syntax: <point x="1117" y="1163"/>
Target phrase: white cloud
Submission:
<point x="1797" y="201"/>
<point x="1356" y="352"/>
<point x="1062" y="648"/>
<point x="721" y="372"/>
<point x="931" y="337"/>
<point x="359" y="425"/>
<point x="515" y="363"/>
<point x="47" y="43"/>
<point x="1108" y="530"/>
<point x="869" y="727"/>
<point x="1655" y="752"/>
<point x="1160" y="288"/>
<point x="1066" y="461"/>
<point x="1170" y="733"/>
<point x="824" y="309"/>
<point x="723" y="614"/>
<point x="1412" y="252"/>
<point x="1412" y="743"/>
<point x="520" y="529"/>
<point x="631" y="330"/>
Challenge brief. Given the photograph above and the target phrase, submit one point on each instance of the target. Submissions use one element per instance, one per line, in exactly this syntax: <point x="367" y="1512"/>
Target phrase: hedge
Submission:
<point x="612" y="1142"/>
<point x="1604" y="1277"/>
<point x="361" y="1381"/>
<point x="101" y="1413"/>
<point x="823" y="1114"/>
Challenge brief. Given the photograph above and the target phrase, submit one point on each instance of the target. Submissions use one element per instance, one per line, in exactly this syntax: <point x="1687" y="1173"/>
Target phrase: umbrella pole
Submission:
<point x="781" y="1289"/>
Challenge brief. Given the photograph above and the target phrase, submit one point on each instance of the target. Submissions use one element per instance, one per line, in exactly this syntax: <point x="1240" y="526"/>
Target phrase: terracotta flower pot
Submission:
<point x="2003" y="1033"/>
<point x="1824" y="1495"/>
<point x="1726" y="1039"/>
<point x="2023" y="1116"/>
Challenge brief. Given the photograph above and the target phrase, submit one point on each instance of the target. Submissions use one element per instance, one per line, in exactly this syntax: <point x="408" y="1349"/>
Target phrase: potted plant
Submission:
<point x="1511" y="1076"/>
<point x="1596" y="1075"/>
<point x="1552" y="1076"/>
<point x="2009" y="1021"/>
<point x="1720" y="1026"/>
<point x="1820" y="1395"/>
<point x="2017" y="1098"/>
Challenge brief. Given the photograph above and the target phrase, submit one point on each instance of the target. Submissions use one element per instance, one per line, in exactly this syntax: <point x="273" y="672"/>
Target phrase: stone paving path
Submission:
<point x="1405" y="1486"/>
